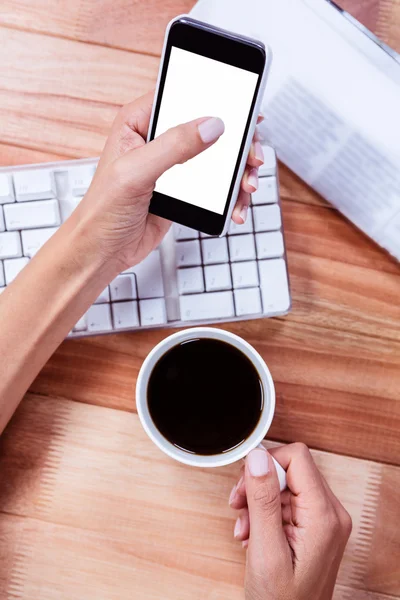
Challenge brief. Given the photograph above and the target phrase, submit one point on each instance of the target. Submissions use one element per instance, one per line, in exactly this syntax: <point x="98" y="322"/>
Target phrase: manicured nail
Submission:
<point x="232" y="495"/>
<point x="238" y="528"/>
<point x="253" y="179"/>
<point x="211" y="129"/>
<point x="258" y="462"/>
<point x="258" y="152"/>
<point x="243" y="213"/>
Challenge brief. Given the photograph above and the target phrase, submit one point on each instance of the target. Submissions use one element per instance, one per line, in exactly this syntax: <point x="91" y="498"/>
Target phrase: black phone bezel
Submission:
<point x="205" y="41"/>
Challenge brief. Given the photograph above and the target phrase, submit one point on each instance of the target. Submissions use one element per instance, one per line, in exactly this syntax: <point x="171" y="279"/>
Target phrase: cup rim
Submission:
<point x="183" y="456"/>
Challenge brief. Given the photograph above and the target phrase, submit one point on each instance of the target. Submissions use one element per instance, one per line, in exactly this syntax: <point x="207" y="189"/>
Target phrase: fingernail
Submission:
<point x="211" y="129"/>
<point x="258" y="462"/>
<point x="238" y="528"/>
<point x="243" y="213"/>
<point x="258" y="152"/>
<point x="232" y="495"/>
<point x="253" y="179"/>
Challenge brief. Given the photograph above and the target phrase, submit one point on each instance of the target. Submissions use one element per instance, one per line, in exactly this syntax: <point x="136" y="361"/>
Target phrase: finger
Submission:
<point x="250" y="180"/>
<point x="344" y="517"/>
<point x="129" y="130"/>
<point x="157" y="228"/>
<point x="240" y="212"/>
<point x="286" y="514"/>
<point x="175" y="146"/>
<point x="302" y="473"/>
<point x="241" y="530"/>
<point x="264" y="502"/>
<point x="256" y="155"/>
<point x="286" y="497"/>
<point x="237" y="498"/>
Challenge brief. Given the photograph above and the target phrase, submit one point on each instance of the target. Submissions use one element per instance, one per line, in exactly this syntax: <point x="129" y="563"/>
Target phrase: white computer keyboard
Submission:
<point x="190" y="279"/>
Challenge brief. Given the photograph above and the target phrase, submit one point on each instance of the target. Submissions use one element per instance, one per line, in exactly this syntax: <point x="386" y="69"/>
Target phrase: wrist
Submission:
<point x="78" y="241"/>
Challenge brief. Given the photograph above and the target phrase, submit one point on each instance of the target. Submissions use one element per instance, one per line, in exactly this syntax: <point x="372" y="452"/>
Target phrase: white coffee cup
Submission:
<point x="230" y="456"/>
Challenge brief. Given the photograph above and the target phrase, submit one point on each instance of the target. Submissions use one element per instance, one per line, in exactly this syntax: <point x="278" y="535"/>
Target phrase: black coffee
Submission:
<point x="205" y="396"/>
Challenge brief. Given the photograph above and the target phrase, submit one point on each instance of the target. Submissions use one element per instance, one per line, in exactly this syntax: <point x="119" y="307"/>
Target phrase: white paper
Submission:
<point x="332" y="105"/>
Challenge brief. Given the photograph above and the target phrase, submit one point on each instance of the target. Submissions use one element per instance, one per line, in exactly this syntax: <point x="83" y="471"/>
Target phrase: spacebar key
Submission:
<point x="198" y="307"/>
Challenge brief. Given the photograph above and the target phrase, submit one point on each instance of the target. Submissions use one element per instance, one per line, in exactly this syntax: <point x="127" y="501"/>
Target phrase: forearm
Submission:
<point x="42" y="305"/>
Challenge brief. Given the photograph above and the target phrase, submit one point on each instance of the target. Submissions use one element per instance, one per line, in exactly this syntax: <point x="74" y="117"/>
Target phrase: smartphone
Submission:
<point x="207" y="72"/>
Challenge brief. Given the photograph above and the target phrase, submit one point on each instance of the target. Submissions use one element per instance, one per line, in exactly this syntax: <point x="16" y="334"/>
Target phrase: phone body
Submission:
<point x="207" y="71"/>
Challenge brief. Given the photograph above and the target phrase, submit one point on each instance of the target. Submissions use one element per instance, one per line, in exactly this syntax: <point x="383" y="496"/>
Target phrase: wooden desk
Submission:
<point x="88" y="508"/>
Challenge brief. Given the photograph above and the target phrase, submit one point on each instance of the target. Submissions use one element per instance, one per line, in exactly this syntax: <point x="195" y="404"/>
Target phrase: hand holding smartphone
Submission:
<point x="207" y="72"/>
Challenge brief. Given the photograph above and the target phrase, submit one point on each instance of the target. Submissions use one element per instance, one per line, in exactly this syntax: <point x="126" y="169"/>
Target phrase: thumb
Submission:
<point x="268" y="544"/>
<point x="176" y="146"/>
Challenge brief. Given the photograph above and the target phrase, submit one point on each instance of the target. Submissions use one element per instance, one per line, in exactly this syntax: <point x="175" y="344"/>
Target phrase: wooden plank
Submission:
<point x="129" y="24"/>
<point x="140" y="26"/>
<point x="19" y="155"/>
<point x="61" y="96"/>
<point x="89" y="502"/>
<point x="365" y="11"/>
<point x="380" y="16"/>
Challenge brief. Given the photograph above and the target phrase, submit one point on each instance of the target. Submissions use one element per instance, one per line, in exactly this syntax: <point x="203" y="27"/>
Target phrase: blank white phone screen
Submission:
<point x="196" y="86"/>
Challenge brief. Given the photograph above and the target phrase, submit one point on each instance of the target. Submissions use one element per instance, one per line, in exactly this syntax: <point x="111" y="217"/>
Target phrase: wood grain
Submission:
<point x="380" y="16"/>
<point x="128" y="24"/>
<point x="139" y="26"/>
<point x="86" y="493"/>
<point x="80" y="485"/>
<point x="61" y="96"/>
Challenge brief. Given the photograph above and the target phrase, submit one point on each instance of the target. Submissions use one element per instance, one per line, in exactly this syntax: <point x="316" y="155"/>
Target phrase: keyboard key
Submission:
<point x="149" y="276"/>
<point x="269" y="166"/>
<point x="36" y="184"/>
<point x="125" y="314"/>
<point x="199" y="307"/>
<point x="152" y="312"/>
<point x="34" y="239"/>
<point x="6" y="189"/>
<point x="267" y="192"/>
<point x="10" y="245"/>
<point x="267" y="218"/>
<point x="12" y="268"/>
<point x="191" y="281"/>
<point x="248" y="302"/>
<point x="104" y="297"/>
<point x="269" y="245"/>
<point x="246" y="227"/>
<point x="188" y="254"/>
<point x="123" y="287"/>
<point x="2" y="280"/>
<point x="218" y="277"/>
<point x="32" y="215"/>
<point x="205" y="235"/>
<point x="241" y="247"/>
<point x="274" y="285"/>
<point x="81" y="178"/>
<point x="244" y="274"/>
<point x="184" y="233"/>
<point x="215" y="250"/>
<point x="67" y="206"/>
<point x="2" y="224"/>
<point x="82" y="324"/>
<point x="99" y="318"/>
